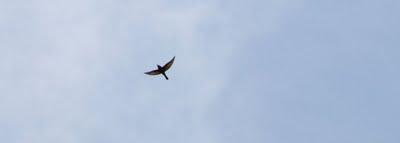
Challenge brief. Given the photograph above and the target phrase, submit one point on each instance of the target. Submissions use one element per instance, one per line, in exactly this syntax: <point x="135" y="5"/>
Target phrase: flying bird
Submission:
<point x="162" y="69"/>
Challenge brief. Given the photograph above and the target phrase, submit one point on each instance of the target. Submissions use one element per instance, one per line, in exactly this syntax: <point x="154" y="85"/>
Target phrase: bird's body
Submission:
<point x="162" y="69"/>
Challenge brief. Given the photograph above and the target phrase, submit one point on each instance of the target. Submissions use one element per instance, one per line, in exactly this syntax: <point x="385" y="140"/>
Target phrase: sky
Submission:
<point x="260" y="71"/>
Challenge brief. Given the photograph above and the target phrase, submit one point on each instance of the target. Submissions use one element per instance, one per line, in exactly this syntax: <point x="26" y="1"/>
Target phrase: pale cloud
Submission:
<point x="62" y="74"/>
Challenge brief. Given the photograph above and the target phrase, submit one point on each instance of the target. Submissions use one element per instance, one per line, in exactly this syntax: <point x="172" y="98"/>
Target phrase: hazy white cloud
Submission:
<point x="72" y="72"/>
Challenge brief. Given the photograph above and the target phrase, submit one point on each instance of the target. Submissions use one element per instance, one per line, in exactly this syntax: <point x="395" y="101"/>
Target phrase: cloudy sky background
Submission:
<point x="278" y="71"/>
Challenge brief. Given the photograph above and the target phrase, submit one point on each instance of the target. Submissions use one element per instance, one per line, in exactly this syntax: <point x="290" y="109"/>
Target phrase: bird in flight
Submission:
<point x="162" y="69"/>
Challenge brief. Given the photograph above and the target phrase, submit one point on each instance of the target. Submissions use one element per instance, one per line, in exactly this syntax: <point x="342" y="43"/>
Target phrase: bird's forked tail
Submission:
<point x="166" y="77"/>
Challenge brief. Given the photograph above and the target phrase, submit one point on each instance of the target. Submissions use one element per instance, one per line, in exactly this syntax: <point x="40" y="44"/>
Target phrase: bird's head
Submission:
<point x="159" y="67"/>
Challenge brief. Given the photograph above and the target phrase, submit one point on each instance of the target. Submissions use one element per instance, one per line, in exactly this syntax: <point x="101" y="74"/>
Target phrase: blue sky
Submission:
<point x="302" y="71"/>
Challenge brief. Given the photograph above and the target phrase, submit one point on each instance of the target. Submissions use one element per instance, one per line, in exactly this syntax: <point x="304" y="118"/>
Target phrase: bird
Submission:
<point x="162" y="69"/>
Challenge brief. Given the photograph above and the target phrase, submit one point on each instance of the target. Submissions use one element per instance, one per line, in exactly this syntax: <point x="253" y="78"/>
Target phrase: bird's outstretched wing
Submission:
<point x="154" y="72"/>
<point x="169" y="64"/>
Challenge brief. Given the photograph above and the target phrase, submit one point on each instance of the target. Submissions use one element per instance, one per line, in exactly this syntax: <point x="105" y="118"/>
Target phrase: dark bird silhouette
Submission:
<point x="162" y="69"/>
